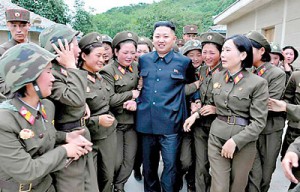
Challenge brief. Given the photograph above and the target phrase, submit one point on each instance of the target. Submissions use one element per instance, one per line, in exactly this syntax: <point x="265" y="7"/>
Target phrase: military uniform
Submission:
<point x="12" y="15"/>
<point x="269" y="141"/>
<point x="292" y="98"/>
<point x="98" y="94"/>
<point x="122" y="80"/>
<point x="241" y="107"/>
<point x="68" y="95"/>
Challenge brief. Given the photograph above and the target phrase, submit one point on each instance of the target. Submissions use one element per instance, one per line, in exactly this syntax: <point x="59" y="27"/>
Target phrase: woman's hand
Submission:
<point x="135" y="94"/>
<point x="130" y="105"/>
<point x="189" y="122"/>
<point x="195" y="106"/>
<point x="289" y="161"/>
<point x="77" y="138"/>
<point x="106" y="120"/>
<point x="207" y="110"/>
<point x="276" y="105"/>
<point x="74" y="151"/>
<point x="65" y="53"/>
<point x="228" y="149"/>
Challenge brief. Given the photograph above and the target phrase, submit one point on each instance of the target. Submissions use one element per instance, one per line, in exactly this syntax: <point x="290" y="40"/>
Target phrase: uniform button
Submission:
<point x="103" y="98"/>
<point x="225" y="102"/>
<point x="41" y="135"/>
<point x="153" y="103"/>
<point x="131" y="78"/>
<point x="155" y="91"/>
<point x="157" y="79"/>
<point x="159" y="69"/>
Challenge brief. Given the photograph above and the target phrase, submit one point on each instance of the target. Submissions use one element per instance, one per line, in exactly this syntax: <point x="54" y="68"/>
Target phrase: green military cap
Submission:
<point x="106" y="39"/>
<point x="123" y="36"/>
<point x="23" y="63"/>
<point x="191" y="45"/>
<point x="53" y="33"/>
<point x="180" y="42"/>
<point x="93" y="38"/>
<point x="147" y="41"/>
<point x="275" y="49"/>
<point x="17" y="15"/>
<point x="259" y="38"/>
<point x="212" y="37"/>
<point x="191" y="29"/>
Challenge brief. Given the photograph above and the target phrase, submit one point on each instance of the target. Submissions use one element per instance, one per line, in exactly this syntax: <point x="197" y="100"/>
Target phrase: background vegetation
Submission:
<point x="137" y="18"/>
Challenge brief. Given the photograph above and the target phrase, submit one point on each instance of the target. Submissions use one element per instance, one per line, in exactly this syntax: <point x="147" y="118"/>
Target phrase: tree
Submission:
<point x="55" y="10"/>
<point x="82" y="21"/>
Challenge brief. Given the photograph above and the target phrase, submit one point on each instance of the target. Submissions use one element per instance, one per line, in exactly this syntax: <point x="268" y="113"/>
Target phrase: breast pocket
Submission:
<point x="242" y="99"/>
<point x="177" y="77"/>
<point x="120" y="83"/>
<point x="144" y="74"/>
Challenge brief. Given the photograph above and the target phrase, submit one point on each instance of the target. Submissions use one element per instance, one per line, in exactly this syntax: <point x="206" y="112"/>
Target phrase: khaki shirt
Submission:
<point x="122" y="85"/>
<point x="246" y="96"/>
<point x="26" y="160"/>
<point x="276" y="84"/>
<point x="292" y="95"/>
<point x="98" y="94"/>
<point x="68" y="94"/>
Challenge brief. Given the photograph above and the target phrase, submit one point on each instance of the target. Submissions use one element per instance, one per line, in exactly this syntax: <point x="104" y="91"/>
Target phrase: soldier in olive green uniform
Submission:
<point x="189" y="32"/>
<point x="122" y="77"/>
<point x="107" y="43"/>
<point x="211" y="43"/>
<point x="269" y="141"/>
<point x="27" y="150"/>
<point x="276" y="55"/>
<point x="18" y="23"/>
<point x="68" y="95"/>
<point x="240" y="98"/>
<point x="180" y="43"/>
<point x="102" y="123"/>
<point x="292" y="98"/>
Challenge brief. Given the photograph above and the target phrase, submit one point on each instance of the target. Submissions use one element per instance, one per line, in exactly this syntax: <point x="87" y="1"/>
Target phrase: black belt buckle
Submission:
<point x="25" y="187"/>
<point x="82" y="122"/>
<point x="229" y="120"/>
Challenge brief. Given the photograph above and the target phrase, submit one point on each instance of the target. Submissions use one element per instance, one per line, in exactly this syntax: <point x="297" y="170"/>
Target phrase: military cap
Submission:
<point x="123" y="36"/>
<point x="191" y="45"/>
<point x="212" y="37"/>
<point x="293" y="48"/>
<point x="106" y="39"/>
<point x="53" y="33"/>
<point x="23" y="64"/>
<point x="259" y="38"/>
<point x="275" y="49"/>
<point x="17" y="15"/>
<point x="180" y="42"/>
<point x="90" y="39"/>
<point x="147" y="41"/>
<point x="190" y="29"/>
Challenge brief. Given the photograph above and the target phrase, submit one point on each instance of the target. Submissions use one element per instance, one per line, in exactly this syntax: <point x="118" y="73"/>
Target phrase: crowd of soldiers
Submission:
<point x="81" y="113"/>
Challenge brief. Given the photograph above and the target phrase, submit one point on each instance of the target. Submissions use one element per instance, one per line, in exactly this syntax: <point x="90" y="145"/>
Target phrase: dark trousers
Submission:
<point x="169" y="146"/>
<point x="139" y="154"/>
<point x="187" y="157"/>
<point x="126" y="149"/>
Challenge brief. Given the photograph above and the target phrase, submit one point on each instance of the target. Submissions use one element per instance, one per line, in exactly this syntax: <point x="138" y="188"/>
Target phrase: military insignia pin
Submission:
<point x="299" y="84"/>
<point x="129" y="35"/>
<point x="217" y="85"/>
<point x="176" y="71"/>
<point x="17" y="14"/>
<point x="64" y="72"/>
<point x="116" y="77"/>
<point x="98" y="38"/>
<point x="209" y="37"/>
<point x="26" y="134"/>
<point x="192" y="29"/>
<point x="274" y="47"/>
<point x="240" y="88"/>
<point x="142" y="39"/>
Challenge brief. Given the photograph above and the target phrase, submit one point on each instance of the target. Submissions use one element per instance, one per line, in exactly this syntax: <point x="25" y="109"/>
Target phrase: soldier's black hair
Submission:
<point x="219" y="47"/>
<point x="266" y="56"/>
<point x="168" y="24"/>
<point x="87" y="50"/>
<point x="118" y="46"/>
<point x="295" y="51"/>
<point x="243" y="44"/>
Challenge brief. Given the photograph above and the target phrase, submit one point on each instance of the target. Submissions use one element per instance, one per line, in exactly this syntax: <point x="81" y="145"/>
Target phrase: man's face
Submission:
<point x="163" y="40"/>
<point x="189" y="36"/>
<point x="19" y="30"/>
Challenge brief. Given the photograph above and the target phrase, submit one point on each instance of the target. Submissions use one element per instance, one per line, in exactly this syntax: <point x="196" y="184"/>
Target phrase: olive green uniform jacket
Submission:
<point x="29" y="160"/>
<point x="122" y="86"/>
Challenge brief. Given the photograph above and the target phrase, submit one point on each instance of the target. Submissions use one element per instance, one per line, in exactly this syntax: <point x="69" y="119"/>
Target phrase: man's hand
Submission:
<point x="228" y="149"/>
<point x="289" y="161"/>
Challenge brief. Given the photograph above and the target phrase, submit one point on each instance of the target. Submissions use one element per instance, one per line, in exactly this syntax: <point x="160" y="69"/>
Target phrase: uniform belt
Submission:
<point x="71" y="125"/>
<point x="17" y="186"/>
<point x="234" y="120"/>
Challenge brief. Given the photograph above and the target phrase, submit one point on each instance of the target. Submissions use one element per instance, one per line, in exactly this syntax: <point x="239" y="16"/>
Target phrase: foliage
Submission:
<point x="82" y="20"/>
<point x="141" y="17"/>
<point x="55" y="10"/>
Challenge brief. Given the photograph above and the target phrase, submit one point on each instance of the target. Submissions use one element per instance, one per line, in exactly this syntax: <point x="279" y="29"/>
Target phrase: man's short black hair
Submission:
<point x="168" y="24"/>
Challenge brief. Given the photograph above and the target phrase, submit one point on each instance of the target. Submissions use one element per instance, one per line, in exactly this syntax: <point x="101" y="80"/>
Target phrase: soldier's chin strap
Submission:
<point x="37" y="89"/>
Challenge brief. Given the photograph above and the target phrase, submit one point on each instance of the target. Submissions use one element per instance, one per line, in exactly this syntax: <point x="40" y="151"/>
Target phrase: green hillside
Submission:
<point x="141" y="17"/>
